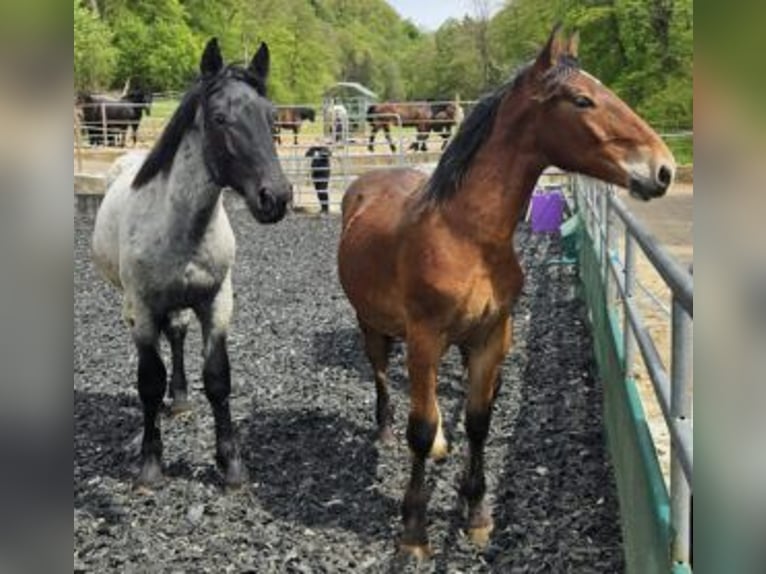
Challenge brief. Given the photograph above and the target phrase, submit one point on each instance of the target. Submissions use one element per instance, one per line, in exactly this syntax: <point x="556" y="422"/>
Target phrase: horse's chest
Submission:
<point x="488" y="294"/>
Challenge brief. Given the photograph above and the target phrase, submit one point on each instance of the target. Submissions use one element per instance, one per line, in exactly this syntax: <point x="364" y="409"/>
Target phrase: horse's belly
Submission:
<point x="366" y="268"/>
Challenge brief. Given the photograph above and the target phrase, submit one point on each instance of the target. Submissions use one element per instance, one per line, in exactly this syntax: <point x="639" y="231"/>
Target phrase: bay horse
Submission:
<point x="163" y="238"/>
<point x="431" y="260"/>
<point x="408" y="115"/>
<point x="444" y="117"/>
<point x="291" y="118"/>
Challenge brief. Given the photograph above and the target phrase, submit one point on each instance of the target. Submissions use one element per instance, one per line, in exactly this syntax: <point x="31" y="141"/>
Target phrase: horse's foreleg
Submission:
<point x="216" y="376"/>
<point x="295" y="137"/>
<point x="175" y="329"/>
<point x="152" y="380"/>
<point x="422" y="138"/>
<point x="484" y="375"/>
<point x="378" y="347"/>
<point x="371" y="145"/>
<point x="424" y="351"/>
<point x="445" y="137"/>
<point x="387" y="131"/>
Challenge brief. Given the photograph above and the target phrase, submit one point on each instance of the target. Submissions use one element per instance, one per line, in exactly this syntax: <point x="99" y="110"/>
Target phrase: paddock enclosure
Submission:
<point x="323" y="496"/>
<point x="574" y="478"/>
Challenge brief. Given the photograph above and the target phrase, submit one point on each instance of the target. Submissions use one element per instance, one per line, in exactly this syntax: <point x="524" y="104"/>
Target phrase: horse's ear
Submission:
<point x="260" y="62"/>
<point x="212" y="61"/>
<point x="573" y="44"/>
<point x="551" y="51"/>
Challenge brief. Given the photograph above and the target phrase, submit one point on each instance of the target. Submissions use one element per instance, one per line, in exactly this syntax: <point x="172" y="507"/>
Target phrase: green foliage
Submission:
<point x="640" y="48"/>
<point x="94" y="55"/>
<point x="156" y="45"/>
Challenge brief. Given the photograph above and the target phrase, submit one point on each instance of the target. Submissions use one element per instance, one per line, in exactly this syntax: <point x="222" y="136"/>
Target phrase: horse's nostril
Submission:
<point x="265" y="199"/>
<point x="664" y="175"/>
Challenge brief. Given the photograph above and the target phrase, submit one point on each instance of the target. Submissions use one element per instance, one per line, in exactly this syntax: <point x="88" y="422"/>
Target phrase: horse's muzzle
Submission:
<point x="269" y="207"/>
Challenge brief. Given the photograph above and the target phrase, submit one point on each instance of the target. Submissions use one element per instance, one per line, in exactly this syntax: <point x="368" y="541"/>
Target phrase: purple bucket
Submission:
<point x="547" y="211"/>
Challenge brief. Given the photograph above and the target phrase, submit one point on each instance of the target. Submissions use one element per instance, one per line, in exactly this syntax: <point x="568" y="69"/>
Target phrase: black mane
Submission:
<point x="160" y="159"/>
<point x="475" y="130"/>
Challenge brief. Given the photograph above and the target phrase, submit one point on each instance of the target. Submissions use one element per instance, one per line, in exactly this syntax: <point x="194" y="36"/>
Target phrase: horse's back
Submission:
<point x="382" y="192"/>
<point x="373" y="208"/>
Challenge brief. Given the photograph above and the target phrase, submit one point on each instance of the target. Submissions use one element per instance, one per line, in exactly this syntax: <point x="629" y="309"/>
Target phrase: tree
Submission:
<point x="94" y="55"/>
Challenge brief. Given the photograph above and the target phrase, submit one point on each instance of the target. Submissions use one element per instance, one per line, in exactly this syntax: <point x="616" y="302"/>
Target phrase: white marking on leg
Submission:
<point x="439" y="446"/>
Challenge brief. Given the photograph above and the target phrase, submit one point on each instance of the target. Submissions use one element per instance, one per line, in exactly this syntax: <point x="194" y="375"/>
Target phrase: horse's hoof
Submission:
<point x="180" y="406"/>
<point x="480" y="535"/>
<point x="439" y="449"/>
<point x="149" y="478"/>
<point x="234" y="475"/>
<point x="480" y="525"/>
<point x="386" y="436"/>
<point x="417" y="551"/>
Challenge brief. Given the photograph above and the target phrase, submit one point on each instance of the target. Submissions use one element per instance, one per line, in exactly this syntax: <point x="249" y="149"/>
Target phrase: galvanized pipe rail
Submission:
<point x="599" y="207"/>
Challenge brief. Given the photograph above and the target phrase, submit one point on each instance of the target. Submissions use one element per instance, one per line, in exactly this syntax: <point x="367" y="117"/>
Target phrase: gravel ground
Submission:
<point x="323" y="497"/>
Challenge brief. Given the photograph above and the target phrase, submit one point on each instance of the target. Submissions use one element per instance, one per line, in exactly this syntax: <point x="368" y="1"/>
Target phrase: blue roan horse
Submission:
<point x="163" y="237"/>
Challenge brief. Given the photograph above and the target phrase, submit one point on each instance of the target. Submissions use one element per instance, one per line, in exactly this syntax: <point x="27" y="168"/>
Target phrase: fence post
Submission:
<point x="78" y="141"/>
<point x="103" y="125"/>
<point x="680" y="409"/>
<point x="611" y="287"/>
<point x="602" y="231"/>
<point x="629" y="340"/>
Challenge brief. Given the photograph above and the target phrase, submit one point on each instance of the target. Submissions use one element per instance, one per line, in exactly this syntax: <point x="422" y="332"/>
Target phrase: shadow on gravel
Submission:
<point x="319" y="470"/>
<point x="340" y="348"/>
<point x="555" y="506"/>
<point x="104" y="425"/>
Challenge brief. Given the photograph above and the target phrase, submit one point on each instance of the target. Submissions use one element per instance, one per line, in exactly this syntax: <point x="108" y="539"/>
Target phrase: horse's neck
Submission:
<point x="490" y="201"/>
<point x="192" y="195"/>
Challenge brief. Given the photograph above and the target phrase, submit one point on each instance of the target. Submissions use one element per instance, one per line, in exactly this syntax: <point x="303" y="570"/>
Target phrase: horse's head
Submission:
<point x="143" y="99"/>
<point x="584" y="127"/>
<point x="308" y="114"/>
<point x="238" y="122"/>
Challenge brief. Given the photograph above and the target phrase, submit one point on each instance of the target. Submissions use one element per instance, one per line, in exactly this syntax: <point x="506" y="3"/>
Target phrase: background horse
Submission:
<point x="383" y="116"/>
<point x="291" y="118"/>
<point x="432" y="260"/>
<point x="320" y="174"/>
<point x="445" y="116"/>
<point x="162" y="237"/>
<point x="119" y="116"/>
<point x="336" y="117"/>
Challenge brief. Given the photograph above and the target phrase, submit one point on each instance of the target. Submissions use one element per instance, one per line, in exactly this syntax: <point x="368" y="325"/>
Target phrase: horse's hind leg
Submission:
<point x="387" y="131"/>
<point x="152" y="380"/>
<point x="378" y="347"/>
<point x="216" y="376"/>
<point x="175" y="329"/>
<point x="484" y="375"/>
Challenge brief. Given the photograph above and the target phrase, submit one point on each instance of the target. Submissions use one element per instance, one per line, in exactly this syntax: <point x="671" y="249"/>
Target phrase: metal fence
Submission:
<point x="350" y="152"/>
<point x="616" y="234"/>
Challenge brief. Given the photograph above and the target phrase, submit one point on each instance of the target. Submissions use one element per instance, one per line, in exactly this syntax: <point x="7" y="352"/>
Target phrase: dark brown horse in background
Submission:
<point x="407" y="115"/>
<point x="432" y="260"/>
<point x="444" y="117"/>
<point x="291" y="118"/>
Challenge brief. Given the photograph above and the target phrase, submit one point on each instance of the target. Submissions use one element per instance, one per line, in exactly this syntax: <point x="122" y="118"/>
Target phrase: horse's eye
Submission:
<point x="583" y="102"/>
<point x="219" y="118"/>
